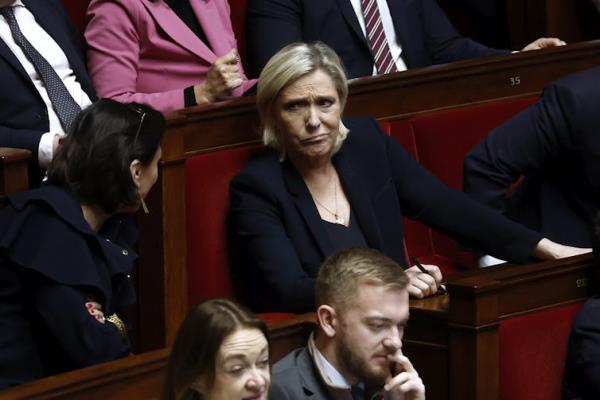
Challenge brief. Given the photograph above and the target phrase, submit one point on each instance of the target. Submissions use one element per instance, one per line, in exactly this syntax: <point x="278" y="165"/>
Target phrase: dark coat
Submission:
<point x="51" y="263"/>
<point x="279" y="239"/>
<point x="425" y="33"/>
<point x="582" y="368"/>
<point x="23" y="113"/>
<point x="555" y="145"/>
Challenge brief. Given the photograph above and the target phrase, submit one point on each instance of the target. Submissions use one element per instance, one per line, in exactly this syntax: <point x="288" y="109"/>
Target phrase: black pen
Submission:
<point x="441" y="287"/>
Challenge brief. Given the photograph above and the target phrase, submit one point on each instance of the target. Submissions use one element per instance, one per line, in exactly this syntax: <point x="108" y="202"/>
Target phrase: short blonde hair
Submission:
<point x="342" y="272"/>
<point x="288" y="65"/>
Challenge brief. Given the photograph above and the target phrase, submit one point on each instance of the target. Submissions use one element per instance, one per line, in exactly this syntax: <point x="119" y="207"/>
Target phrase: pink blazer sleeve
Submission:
<point x="116" y="32"/>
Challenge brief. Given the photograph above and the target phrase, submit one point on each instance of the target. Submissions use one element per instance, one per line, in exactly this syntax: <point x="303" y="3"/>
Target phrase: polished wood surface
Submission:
<point x="453" y="339"/>
<point x="162" y="275"/>
<point x="13" y="170"/>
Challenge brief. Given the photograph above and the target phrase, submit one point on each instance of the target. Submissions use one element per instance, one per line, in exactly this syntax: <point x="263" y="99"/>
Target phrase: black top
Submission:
<point x="51" y="263"/>
<point x="185" y="12"/>
<point x="345" y="237"/>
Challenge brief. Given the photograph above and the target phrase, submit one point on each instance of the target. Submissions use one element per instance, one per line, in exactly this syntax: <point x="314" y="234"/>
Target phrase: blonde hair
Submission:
<point x="342" y="272"/>
<point x="288" y="65"/>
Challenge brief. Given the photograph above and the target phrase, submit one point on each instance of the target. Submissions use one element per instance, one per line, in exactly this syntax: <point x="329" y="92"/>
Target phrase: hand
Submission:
<point x="544" y="43"/>
<point x="223" y="76"/>
<point x="421" y="285"/>
<point x="549" y="250"/>
<point x="406" y="384"/>
<point x="95" y="310"/>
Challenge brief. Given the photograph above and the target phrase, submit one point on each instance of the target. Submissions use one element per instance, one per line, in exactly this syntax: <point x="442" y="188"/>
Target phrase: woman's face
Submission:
<point x="308" y="115"/>
<point x="242" y="367"/>
<point x="149" y="174"/>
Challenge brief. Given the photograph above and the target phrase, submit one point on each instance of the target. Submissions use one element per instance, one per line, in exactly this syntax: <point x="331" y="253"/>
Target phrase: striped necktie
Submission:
<point x="62" y="101"/>
<point x="377" y="39"/>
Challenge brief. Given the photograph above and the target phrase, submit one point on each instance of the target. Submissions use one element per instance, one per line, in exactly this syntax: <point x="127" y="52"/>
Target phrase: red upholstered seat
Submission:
<point x="207" y="179"/>
<point x="238" y="21"/>
<point x="207" y="204"/>
<point x="76" y="10"/>
<point x="439" y="141"/>
<point x="533" y="350"/>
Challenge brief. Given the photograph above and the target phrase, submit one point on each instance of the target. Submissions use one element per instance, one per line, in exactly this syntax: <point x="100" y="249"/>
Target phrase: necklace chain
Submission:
<point x="338" y="219"/>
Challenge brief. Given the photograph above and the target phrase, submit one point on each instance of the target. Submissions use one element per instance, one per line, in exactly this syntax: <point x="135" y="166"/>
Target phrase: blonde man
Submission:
<point x="356" y="350"/>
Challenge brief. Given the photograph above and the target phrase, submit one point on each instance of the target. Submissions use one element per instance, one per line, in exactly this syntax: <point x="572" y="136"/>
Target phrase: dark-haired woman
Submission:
<point x="63" y="282"/>
<point x="221" y="353"/>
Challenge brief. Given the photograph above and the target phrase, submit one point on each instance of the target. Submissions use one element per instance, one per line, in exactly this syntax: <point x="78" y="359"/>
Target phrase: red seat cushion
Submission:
<point x="207" y="178"/>
<point x="533" y="350"/>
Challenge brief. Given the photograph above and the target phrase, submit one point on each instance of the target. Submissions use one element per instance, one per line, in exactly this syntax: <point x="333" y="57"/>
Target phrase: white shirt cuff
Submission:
<point x="488" y="261"/>
<point x="46" y="149"/>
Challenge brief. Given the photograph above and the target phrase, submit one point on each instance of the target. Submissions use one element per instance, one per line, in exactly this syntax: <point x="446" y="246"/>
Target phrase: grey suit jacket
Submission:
<point x="296" y="377"/>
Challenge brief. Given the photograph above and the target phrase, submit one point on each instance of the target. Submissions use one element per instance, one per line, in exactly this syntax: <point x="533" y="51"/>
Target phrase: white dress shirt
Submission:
<point x="388" y="29"/>
<point x="52" y="52"/>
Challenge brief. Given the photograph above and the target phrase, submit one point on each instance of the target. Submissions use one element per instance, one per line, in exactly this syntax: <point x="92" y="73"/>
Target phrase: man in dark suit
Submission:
<point x="555" y="146"/>
<point x="581" y="379"/>
<point x="35" y="110"/>
<point x="356" y="349"/>
<point x="418" y="33"/>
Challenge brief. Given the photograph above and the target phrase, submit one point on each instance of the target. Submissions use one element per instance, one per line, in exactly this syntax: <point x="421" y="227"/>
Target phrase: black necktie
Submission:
<point x="62" y="101"/>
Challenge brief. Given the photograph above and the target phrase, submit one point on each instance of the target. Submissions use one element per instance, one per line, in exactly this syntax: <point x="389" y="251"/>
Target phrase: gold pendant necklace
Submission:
<point x="338" y="219"/>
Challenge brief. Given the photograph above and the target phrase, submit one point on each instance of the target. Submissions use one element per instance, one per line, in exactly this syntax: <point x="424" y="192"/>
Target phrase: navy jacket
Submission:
<point x="278" y="238"/>
<point x="582" y="367"/>
<point x="23" y="113"/>
<point x="51" y="263"/>
<point x="426" y="35"/>
<point x="555" y="144"/>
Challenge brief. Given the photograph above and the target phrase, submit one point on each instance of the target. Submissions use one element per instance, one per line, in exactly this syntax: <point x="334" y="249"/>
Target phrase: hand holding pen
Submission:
<point x="424" y="280"/>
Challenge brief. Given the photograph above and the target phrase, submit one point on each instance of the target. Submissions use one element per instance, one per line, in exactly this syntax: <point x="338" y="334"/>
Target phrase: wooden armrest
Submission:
<point x="9" y="155"/>
<point x="13" y="170"/>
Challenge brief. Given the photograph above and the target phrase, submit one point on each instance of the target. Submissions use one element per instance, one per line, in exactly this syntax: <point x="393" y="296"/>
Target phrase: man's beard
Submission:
<point x="358" y="367"/>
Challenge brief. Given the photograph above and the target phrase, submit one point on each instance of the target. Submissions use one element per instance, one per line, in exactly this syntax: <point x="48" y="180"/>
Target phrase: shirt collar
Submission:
<point x="329" y="374"/>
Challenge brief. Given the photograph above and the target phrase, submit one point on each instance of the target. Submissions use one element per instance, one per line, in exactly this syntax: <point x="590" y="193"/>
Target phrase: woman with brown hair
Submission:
<point x="221" y="352"/>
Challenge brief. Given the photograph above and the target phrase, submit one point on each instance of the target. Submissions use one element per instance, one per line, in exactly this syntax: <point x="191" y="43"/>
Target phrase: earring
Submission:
<point x="144" y="206"/>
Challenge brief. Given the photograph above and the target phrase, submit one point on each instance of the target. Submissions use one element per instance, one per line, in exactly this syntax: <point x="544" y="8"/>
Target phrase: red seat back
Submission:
<point x="76" y="10"/>
<point x="440" y="141"/>
<point x="238" y="21"/>
<point x="207" y="178"/>
<point x="533" y="350"/>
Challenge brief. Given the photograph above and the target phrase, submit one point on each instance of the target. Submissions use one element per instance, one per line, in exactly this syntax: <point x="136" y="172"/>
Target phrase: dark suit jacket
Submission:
<point x="51" y="263"/>
<point x="582" y="368"/>
<point x="555" y="144"/>
<point x="23" y="113"/>
<point x="279" y="236"/>
<point x="426" y="34"/>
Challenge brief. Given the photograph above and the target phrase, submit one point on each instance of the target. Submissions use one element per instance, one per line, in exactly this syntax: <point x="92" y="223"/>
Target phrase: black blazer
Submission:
<point x="280" y="242"/>
<point x="51" y="263"/>
<point x="582" y="367"/>
<point x="426" y="34"/>
<point x="555" y="144"/>
<point x="23" y="113"/>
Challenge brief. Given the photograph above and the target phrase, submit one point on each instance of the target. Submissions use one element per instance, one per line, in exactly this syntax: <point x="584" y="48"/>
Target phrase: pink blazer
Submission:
<point x="140" y="51"/>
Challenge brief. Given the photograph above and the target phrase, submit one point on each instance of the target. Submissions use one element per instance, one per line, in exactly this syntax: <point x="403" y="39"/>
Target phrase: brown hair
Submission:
<point x="342" y="272"/>
<point x="93" y="161"/>
<point x="198" y="341"/>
